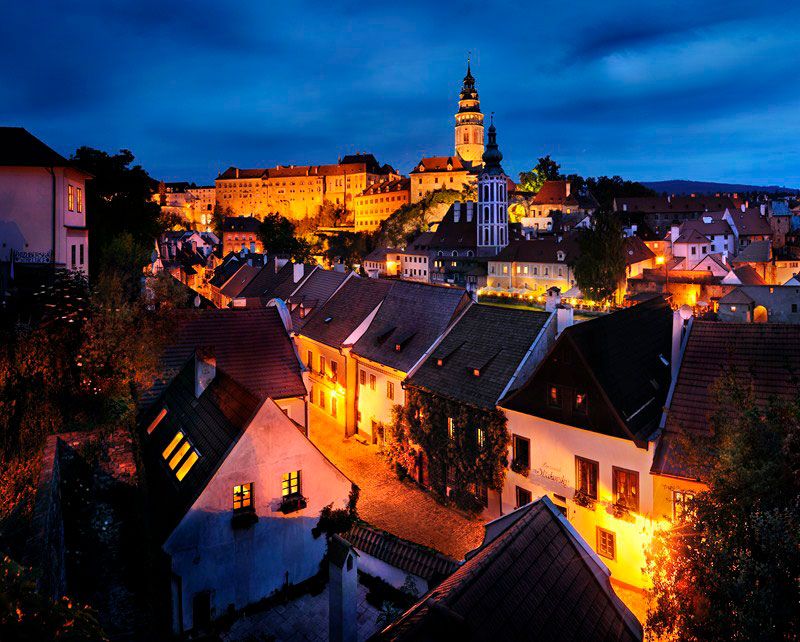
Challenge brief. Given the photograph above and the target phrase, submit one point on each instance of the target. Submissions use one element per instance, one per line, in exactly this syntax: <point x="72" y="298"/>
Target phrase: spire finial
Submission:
<point x="469" y="56"/>
<point x="491" y="118"/>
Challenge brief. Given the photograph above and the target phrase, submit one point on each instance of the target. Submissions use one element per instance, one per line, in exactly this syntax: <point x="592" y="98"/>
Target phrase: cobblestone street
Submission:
<point x="400" y="508"/>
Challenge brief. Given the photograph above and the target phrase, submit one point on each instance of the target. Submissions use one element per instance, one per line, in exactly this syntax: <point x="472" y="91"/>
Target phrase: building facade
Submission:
<point x="469" y="123"/>
<point x="379" y="201"/>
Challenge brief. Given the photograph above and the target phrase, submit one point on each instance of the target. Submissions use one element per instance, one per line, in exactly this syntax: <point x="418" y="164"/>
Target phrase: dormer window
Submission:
<point x="440" y="361"/>
<point x="154" y="424"/>
<point x="176" y="453"/>
<point x="560" y="255"/>
<point x="421" y="167"/>
<point x="476" y="372"/>
<point x="328" y="319"/>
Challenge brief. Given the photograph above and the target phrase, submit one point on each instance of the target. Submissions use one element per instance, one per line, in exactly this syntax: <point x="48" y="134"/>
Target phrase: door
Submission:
<point x="422" y="469"/>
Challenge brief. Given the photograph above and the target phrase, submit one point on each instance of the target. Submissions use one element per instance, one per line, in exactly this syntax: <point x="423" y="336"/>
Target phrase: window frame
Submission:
<point x="583" y="408"/>
<point x="685" y="494"/>
<point x="243" y="495"/>
<point x="292" y="484"/>
<point x="630" y="474"/>
<point x="520" y="490"/>
<point x="594" y="466"/>
<point x="515" y="451"/>
<point x="602" y="550"/>
<point x="557" y="403"/>
<point x="390" y="390"/>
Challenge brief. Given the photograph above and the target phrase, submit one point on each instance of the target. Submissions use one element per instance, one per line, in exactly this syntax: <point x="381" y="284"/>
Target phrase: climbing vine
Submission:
<point x="472" y="458"/>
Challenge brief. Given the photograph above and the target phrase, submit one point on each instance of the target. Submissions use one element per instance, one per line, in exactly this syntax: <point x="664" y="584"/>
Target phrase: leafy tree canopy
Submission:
<point x="600" y="267"/>
<point x="546" y="170"/>
<point x="729" y="570"/>
<point x="411" y="219"/>
<point x="277" y="233"/>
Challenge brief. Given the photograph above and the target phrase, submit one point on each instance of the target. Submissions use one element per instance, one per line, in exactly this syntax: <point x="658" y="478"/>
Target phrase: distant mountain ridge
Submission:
<point x="705" y="187"/>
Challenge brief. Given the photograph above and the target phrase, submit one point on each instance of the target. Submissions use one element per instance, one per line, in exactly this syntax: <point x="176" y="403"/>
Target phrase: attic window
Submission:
<point x="440" y="362"/>
<point x="328" y="319"/>
<point x="176" y="452"/>
<point x="156" y="421"/>
<point x="663" y="359"/>
<point x="476" y="372"/>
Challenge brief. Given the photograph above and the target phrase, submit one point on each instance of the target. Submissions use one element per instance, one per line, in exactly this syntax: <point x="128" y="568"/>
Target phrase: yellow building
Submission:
<point x="297" y="191"/>
<point x="440" y="172"/>
<point x="379" y="201"/>
<point x="535" y="265"/>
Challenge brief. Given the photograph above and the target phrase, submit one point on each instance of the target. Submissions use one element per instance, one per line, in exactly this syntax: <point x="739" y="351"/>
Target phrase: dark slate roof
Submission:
<point x="345" y="311"/>
<point x="674" y="204"/>
<point x="252" y="346"/>
<point x="212" y="424"/>
<point x="471" y="344"/>
<point x="764" y="356"/>
<point x="541" y="250"/>
<point x="240" y="224"/>
<point x="536" y="580"/>
<point x="423" y="562"/>
<point x="636" y="250"/>
<point x="268" y="278"/>
<point x="456" y="236"/>
<point x="623" y="352"/>
<point x="225" y="271"/>
<point x="755" y="252"/>
<point x="413" y="315"/>
<point x="313" y="293"/>
<point x="239" y="280"/>
<point x="20" y="148"/>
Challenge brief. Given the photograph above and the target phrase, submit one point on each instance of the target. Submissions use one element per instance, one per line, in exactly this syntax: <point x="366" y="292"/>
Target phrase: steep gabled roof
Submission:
<point x="536" y="580"/>
<point x="313" y="293"/>
<point x="239" y="280"/>
<point x="417" y="314"/>
<point x="762" y="356"/>
<point x="212" y="424"/>
<point x="439" y="164"/>
<point x="750" y="222"/>
<point x="541" y="250"/>
<point x="345" y="311"/>
<point x="483" y="333"/>
<point x="273" y="281"/>
<point x="627" y="354"/>
<point x="755" y="252"/>
<point x="636" y="250"/>
<point x="452" y="235"/>
<point x="20" y="148"/>
<point x="252" y="346"/>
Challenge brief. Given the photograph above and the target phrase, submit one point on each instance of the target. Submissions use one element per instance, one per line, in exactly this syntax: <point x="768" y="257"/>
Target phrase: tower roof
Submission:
<point x="468" y="91"/>
<point x="492" y="156"/>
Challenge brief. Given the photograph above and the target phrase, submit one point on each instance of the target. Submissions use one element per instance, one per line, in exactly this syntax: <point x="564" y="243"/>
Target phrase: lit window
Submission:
<point x="586" y="473"/>
<point x="291" y="484"/>
<point x="481" y="437"/>
<point x="390" y="390"/>
<point x="476" y="372"/>
<point x="162" y="413"/>
<point x="626" y="488"/>
<point x="80" y="200"/>
<point x="580" y="402"/>
<point x="606" y="543"/>
<point x="70" y="198"/>
<point x="187" y="465"/>
<point x="554" y="397"/>
<point x="173" y="444"/>
<point x="681" y="503"/>
<point x="451" y="428"/>
<point x="243" y="497"/>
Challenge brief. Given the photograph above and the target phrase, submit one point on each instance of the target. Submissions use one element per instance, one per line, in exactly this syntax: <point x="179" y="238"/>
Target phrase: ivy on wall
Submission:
<point x="424" y="421"/>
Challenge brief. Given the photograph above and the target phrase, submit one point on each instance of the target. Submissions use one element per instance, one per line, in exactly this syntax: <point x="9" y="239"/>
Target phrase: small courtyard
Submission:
<point x="398" y="507"/>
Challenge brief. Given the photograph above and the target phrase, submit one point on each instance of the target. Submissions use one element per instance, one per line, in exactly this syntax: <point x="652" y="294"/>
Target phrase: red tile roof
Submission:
<point x="750" y="222"/>
<point x="683" y="204"/>
<point x="396" y="185"/>
<point x="439" y="164"/>
<point x="542" y="250"/>
<point x="637" y="251"/>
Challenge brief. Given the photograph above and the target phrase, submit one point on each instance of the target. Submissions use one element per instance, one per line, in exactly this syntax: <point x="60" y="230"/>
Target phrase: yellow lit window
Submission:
<point x="291" y="483"/>
<point x="156" y="421"/>
<point x="451" y="428"/>
<point x="173" y="463"/>
<point x="187" y="465"/>
<point x="172" y="445"/>
<point x="243" y="497"/>
<point x="70" y="198"/>
<point x="80" y="200"/>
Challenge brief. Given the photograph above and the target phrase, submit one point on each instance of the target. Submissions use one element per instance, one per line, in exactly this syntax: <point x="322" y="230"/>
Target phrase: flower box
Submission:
<point x="292" y="503"/>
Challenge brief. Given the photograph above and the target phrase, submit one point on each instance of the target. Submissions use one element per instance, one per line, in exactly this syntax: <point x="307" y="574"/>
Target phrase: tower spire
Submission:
<point x="469" y="120"/>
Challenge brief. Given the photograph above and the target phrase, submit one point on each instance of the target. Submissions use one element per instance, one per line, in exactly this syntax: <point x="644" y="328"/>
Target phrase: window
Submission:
<point x="81" y="254"/>
<point x="586" y="473"/>
<point x="625" y="486"/>
<point x="153" y="424"/>
<point x="73" y="248"/>
<point x="174" y="453"/>
<point x="310" y="360"/>
<point x="681" y="503"/>
<point x="333" y="406"/>
<point x="606" y="543"/>
<point x="322" y="365"/>
<point x="554" y="397"/>
<point x="523" y="497"/>
<point x="80" y="200"/>
<point x="70" y="198"/>
<point x="390" y="390"/>
<point x="580" y="402"/>
<point x="322" y="399"/>
<point x="334" y="371"/>
<point x="481" y="437"/>
<point x="362" y="377"/>
<point x="243" y="497"/>
<point x="522" y="451"/>
<point x="372" y="381"/>
<point x="291" y="484"/>
<point x="451" y="429"/>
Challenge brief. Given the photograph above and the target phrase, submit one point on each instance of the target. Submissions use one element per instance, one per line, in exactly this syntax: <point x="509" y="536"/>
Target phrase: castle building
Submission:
<point x="469" y="123"/>
<point x="492" y="200"/>
<point x="378" y="202"/>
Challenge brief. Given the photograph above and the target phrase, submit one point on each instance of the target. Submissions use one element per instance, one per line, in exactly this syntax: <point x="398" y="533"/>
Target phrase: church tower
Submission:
<point x="492" y="200"/>
<point x="469" y="123"/>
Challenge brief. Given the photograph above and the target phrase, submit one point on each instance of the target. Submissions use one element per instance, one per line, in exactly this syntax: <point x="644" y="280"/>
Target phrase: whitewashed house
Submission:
<point x="42" y="204"/>
<point x="235" y="489"/>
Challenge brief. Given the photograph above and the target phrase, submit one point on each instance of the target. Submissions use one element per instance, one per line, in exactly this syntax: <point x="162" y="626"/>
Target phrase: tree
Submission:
<point x="728" y="570"/>
<point x="412" y="218"/>
<point x="606" y="189"/>
<point x="349" y="248"/>
<point x="277" y="233"/>
<point x="600" y="267"/>
<point x="546" y="170"/>
<point x="119" y="202"/>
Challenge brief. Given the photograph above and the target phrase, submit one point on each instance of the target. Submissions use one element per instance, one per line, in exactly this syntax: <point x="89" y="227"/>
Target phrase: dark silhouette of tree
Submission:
<point x="277" y="233"/>
<point x="600" y="267"/>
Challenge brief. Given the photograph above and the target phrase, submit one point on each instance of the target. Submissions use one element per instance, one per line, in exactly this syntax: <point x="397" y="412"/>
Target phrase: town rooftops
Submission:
<point x="533" y="578"/>
<point x="755" y="252"/>
<point x="764" y="357"/>
<point x="715" y="227"/>
<point x="560" y="193"/>
<point x="313" y="293"/>
<point x="750" y="222"/>
<point x="350" y="164"/>
<point x="452" y="235"/>
<point x="411" y="317"/>
<point x="378" y="255"/>
<point x="423" y="562"/>
<point x="440" y="164"/>
<point x="273" y="281"/>
<point x="252" y="346"/>
<point x="677" y="204"/>
<point x="20" y="148"/>
<point x="233" y="224"/>
<point x="244" y="275"/>
<point x="211" y="424"/>
<point x="488" y="339"/>
<point x="637" y="251"/>
<point x="394" y="185"/>
<point x="626" y="354"/>
<point x="232" y="173"/>
<point x="542" y="250"/>
<point x="336" y="320"/>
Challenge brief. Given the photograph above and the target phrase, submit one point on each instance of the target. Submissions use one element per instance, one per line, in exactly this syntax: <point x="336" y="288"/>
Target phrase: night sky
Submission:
<point x="672" y="90"/>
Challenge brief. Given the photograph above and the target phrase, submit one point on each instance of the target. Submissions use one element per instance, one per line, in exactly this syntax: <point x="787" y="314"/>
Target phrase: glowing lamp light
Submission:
<point x="659" y="260"/>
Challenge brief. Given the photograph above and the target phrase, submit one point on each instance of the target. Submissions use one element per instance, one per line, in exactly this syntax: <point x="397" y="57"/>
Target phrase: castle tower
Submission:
<point x="492" y="200"/>
<point x="469" y="123"/>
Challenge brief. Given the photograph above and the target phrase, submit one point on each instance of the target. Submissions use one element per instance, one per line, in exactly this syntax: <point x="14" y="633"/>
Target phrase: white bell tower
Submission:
<point x="492" y="200"/>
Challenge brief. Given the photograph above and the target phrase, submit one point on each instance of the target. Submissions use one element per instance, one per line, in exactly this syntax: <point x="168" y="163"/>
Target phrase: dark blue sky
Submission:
<point x="699" y="90"/>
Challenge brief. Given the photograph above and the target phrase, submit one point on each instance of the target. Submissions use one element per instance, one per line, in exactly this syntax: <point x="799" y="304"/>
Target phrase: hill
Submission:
<point x="704" y="187"/>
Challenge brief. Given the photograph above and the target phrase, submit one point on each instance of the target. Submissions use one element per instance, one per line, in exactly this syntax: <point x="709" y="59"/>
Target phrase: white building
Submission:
<point x="42" y="204"/>
<point x="492" y="200"/>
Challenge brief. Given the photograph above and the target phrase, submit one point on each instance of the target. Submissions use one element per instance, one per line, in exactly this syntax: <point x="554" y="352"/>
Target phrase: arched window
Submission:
<point x="455" y="253"/>
<point x="485" y="192"/>
<point x="466" y="137"/>
<point x="440" y="253"/>
<point x="486" y="236"/>
<point x="486" y="214"/>
<point x="470" y="253"/>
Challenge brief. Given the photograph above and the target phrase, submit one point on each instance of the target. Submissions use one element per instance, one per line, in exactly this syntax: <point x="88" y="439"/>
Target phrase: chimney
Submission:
<point x="342" y="591"/>
<point x="763" y="209"/>
<point x="553" y="299"/>
<point x="469" y="205"/>
<point x="298" y="268"/>
<point x="744" y="206"/>
<point x="205" y="368"/>
<point x="567" y="188"/>
<point x="679" y="319"/>
<point x="280" y="262"/>
<point x="237" y="172"/>
<point x="564" y="317"/>
<point x="674" y="233"/>
<point x="624" y="207"/>
<point x="456" y="211"/>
